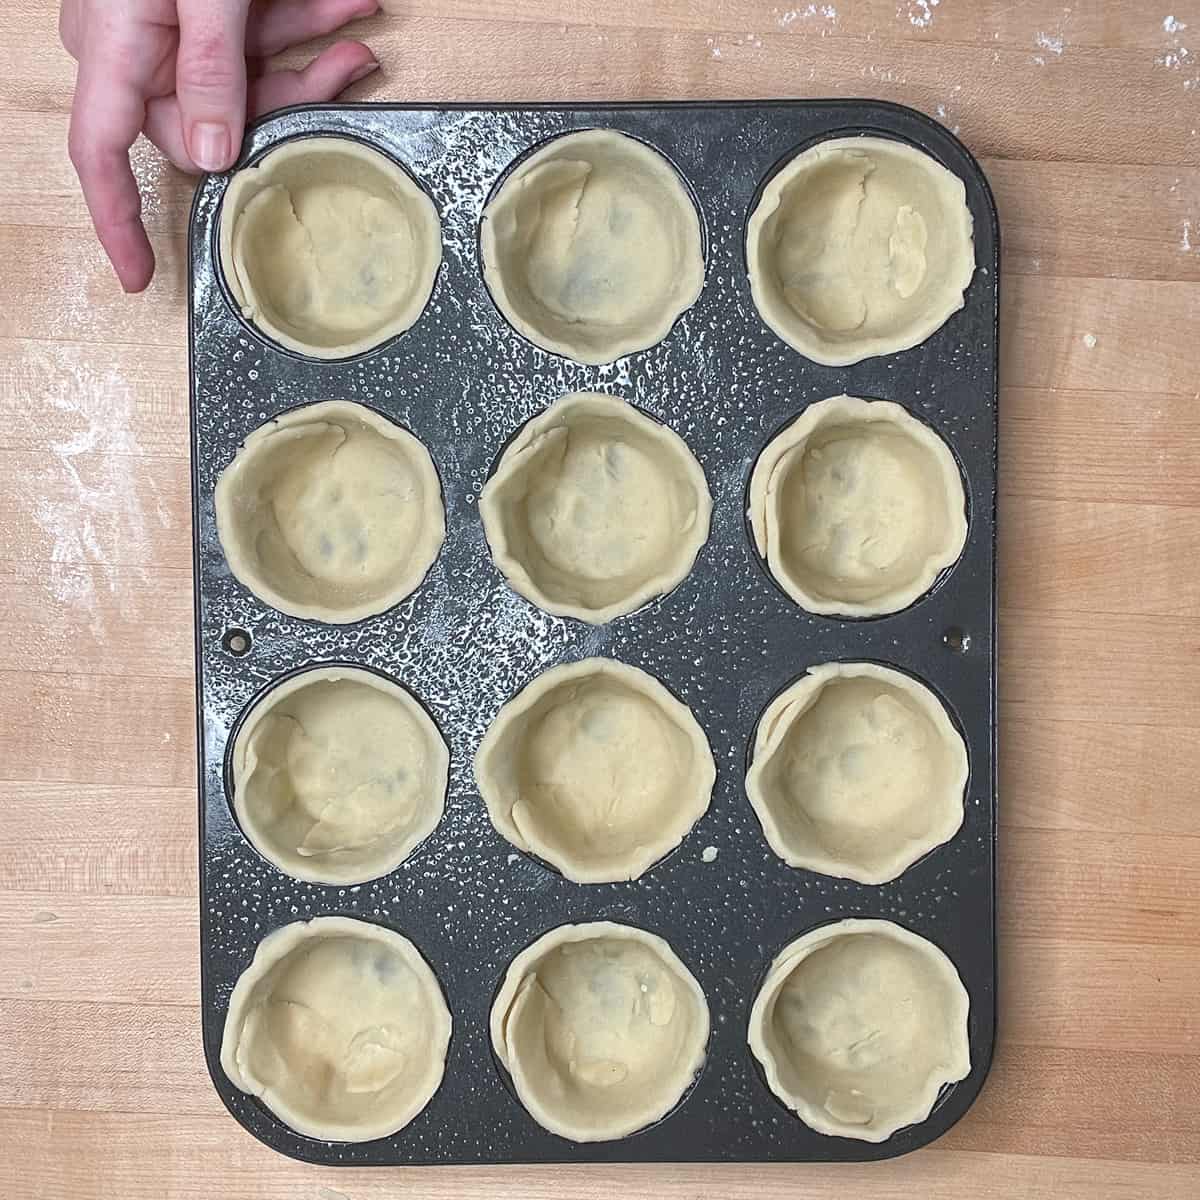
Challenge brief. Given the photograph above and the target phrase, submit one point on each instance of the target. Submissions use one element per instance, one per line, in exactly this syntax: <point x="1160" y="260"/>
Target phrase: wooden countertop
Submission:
<point x="1087" y="119"/>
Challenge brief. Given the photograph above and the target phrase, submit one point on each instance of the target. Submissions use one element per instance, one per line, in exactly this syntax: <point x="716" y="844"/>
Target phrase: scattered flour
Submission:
<point x="1054" y="44"/>
<point x="919" y="12"/>
<point x="1177" y="57"/>
<point x="709" y="854"/>
<point x="84" y="502"/>
<point x="944" y="118"/>
<point x="1185" y="242"/>
<point x="785" y="19"/>
<point x="1173" y="58"/>
<point x="1089" y="340"/>
<point x="887" y="76"/>
<point x="1054" y="41"/>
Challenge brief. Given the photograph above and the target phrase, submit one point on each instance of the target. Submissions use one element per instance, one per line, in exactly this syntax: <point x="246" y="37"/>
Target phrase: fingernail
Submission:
<point x="210" y="145"/>
<point x="363" y="71"/>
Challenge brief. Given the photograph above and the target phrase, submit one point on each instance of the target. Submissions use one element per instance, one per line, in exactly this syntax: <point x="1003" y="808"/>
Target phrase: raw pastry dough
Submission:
<point x="595" y="509"/>
<point x="857" y="772"/>
<point x="339" y="1027"/>
<point x="329" y="247"/>
<point x="338" y="774"/>
<point x="857" y="507"/>
<point x="592" y="248"/>
<point x="858" y="1025"/>
<point x="330" y="512"/>
<point x="596" y="768"/>
<point x="602" y="1029"/>
<point x="859" y="246"/>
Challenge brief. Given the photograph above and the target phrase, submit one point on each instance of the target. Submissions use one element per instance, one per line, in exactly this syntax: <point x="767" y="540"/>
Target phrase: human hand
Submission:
<point x="187" y="73"/>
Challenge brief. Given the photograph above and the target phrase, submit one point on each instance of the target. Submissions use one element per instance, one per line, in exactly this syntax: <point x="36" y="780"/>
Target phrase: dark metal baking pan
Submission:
<point x="725" y="641"/>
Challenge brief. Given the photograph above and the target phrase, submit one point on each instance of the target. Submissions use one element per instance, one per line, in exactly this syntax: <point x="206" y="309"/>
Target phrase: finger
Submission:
<point x="106" y="117"/>
<point x="278" y="24"/>
<point x="210" y="79"/>
<point x="68" y="27"/>
<point x="326" y="76"/>
<point x="331" y="72"/>
<point x="164" y="127"/>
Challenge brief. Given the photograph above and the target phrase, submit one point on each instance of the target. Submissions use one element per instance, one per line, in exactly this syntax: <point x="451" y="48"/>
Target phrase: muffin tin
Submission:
<point x="725" y="641"/>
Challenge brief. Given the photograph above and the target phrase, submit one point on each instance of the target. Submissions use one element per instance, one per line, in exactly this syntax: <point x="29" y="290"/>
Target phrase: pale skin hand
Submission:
<point x="187" y="73"/>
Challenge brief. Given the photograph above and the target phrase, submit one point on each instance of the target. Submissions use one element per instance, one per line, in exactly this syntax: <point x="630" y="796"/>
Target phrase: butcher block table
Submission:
<point x="1087" y="121"/>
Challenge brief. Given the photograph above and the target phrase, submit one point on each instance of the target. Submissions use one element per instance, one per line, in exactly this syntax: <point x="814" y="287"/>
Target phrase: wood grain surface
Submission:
<point x="1087" y="118"/>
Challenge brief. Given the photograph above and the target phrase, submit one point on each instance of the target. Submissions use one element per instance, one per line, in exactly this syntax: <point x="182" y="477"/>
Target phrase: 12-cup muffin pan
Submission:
<point x="725" y="641"/>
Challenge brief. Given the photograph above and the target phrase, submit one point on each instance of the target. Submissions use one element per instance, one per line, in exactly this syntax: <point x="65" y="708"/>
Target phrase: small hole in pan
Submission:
<point x="236" y="642"/>
<point x="956" y="640"/>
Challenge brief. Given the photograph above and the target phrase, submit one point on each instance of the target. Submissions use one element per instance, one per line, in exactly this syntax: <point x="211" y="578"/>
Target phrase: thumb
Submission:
<point x="210" y="79"/>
